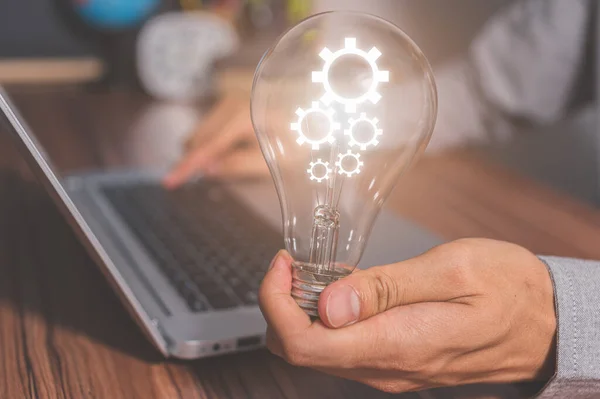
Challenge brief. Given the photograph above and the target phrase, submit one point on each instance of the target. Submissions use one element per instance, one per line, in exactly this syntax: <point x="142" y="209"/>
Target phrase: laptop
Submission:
<point x="186" y="263"/>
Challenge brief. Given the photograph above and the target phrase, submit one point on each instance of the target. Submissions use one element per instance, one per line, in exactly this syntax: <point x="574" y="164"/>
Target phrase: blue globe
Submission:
<point x="115" y="14"/>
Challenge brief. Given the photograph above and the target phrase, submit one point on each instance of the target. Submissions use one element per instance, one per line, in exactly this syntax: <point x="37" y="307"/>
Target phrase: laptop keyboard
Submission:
<point x="212" y="248"/>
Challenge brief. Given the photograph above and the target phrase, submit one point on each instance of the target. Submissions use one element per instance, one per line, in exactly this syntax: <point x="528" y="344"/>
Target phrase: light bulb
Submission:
<point x="341" y="104"/>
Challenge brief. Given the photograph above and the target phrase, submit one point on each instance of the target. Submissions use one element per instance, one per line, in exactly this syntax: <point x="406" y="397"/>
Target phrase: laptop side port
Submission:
<point x="249" y="342"/>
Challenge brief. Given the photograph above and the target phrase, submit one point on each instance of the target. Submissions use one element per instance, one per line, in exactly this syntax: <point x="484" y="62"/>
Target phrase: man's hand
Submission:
<point x="213" y="149"/>
<point x="470" y="311"/>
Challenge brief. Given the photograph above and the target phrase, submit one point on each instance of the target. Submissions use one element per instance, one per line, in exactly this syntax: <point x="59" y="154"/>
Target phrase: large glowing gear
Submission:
<point x="370" y="57"/>
<point x="327" y="137"/>
<point x="364" y="144"/>
<point x="319" y="170"/>
<point x="349" y="158"/>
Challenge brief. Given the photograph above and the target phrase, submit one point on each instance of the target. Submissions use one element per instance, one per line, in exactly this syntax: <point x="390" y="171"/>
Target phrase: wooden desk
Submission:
<point x="64" y="334"/>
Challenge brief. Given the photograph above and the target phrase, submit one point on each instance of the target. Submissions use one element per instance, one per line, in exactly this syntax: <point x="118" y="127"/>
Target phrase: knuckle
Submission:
<point x="413" y="366"/>
<point x="461" y="260"/>
<point x="459" y="251"/>
<point x="386" y="386"/>
<point x="383" y="289"/>
<point x="459" y="275"/>
<point x="393" y="386"/>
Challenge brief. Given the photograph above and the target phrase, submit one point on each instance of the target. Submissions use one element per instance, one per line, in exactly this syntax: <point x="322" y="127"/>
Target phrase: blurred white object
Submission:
<point x="381" y="8"/>
<point x="176" y="51"/>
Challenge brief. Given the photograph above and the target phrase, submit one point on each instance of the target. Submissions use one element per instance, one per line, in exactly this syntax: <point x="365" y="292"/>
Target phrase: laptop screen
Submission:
<point x="41" y="163"/>
<point x="33" y="152"/>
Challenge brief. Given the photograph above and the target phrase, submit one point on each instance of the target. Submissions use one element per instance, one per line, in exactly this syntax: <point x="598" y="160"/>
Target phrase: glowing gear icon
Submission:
<point x="363" y="144"/>
<point x="319" y="170"/>
<point x="370" y="57"/>
<point x="327" y="137"/>
<point x="349" y="158"/>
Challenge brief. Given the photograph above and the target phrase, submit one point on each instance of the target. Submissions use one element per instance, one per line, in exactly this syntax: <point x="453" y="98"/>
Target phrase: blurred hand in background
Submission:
<point x="224" y="144"/>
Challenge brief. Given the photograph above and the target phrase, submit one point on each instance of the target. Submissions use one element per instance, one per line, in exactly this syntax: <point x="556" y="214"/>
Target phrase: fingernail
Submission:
<point x="280" y="256"/>
<point x="343" y="306"/>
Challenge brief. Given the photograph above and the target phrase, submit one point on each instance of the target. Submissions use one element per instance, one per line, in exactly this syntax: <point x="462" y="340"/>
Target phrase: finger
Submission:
<point x="405" y="338"/>
<point x="248" y="163"/>
<point x="214" y="120"/>
<point x="236" y="127"/>
<point x="282" y="313"/>
<point x="432" y="277"/>
<point x="184" y="170"/>
<point x="201" y="158"/>
<point x="319" y="346"/>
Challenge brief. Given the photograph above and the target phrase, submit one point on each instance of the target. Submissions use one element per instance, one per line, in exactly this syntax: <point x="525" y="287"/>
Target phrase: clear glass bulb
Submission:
<point x="342" y="104"/>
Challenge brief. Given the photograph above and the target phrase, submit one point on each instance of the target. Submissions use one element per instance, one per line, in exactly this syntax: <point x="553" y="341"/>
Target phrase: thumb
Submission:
<point x="366" y="293"/>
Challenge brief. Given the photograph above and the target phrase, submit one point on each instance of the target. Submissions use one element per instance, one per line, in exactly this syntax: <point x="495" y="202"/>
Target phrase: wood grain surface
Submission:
<point x="64" y="334"/>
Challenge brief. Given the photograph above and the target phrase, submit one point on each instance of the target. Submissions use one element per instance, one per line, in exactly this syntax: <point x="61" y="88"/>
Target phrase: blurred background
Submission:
<point x="149" y="46"/>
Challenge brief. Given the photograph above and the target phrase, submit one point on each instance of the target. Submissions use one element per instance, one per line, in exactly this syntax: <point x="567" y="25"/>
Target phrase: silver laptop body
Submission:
<point x="146" y="292"/>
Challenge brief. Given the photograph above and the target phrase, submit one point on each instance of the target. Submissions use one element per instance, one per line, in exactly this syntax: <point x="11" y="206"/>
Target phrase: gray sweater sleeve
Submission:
<point x="577" y="300"/>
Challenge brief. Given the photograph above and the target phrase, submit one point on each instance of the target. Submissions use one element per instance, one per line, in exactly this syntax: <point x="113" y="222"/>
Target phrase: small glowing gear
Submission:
<point x="349" y="158"/>
<point x="370" y="57"/>
<point x="319" y="170"/>
<point x="327" y="137"/>
<point x="365" y="143"/>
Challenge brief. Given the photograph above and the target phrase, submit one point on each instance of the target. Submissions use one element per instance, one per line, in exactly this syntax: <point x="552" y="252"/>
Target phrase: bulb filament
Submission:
<point x="323" y="244"/>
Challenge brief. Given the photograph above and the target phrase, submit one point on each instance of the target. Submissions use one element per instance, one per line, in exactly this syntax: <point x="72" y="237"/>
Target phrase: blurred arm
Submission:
<point x="523" y="65"/>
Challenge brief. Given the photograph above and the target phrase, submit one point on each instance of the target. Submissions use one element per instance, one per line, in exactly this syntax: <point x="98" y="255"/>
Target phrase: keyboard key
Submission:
<point x="222" y="301"/>
<point x="251" y="298"/>
<point x="197" y="305"/>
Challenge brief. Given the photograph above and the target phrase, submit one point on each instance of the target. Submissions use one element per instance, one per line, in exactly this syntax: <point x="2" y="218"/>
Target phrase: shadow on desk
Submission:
<point x="48" y="280"/>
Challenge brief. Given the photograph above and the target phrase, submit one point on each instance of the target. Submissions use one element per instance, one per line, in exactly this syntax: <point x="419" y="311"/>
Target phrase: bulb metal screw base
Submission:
<point x="308" y="283"/>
